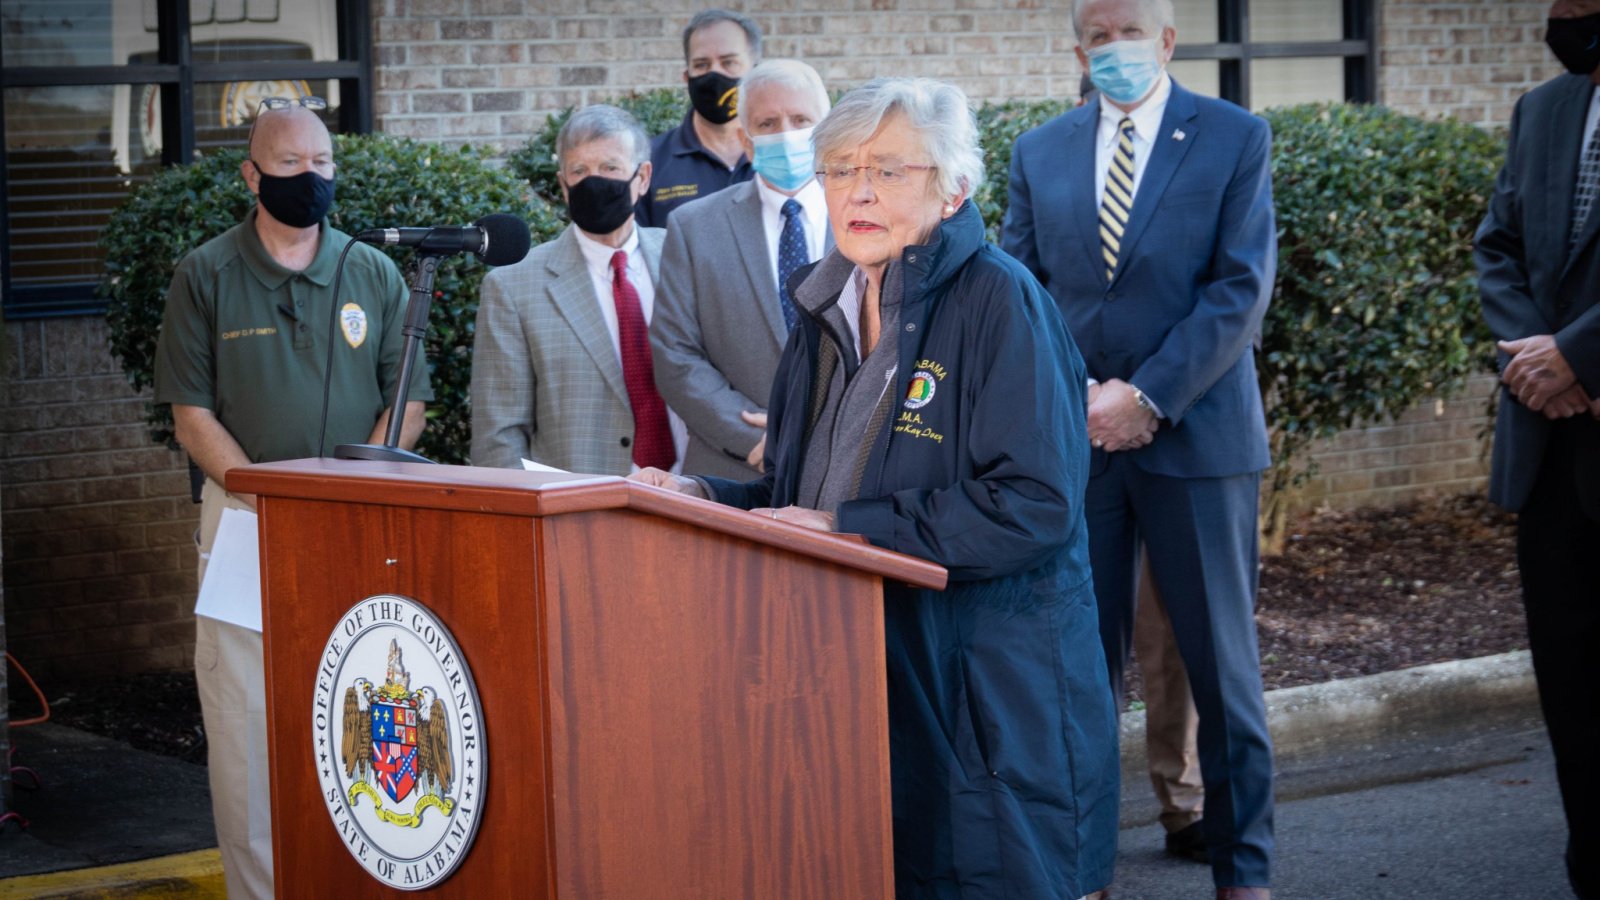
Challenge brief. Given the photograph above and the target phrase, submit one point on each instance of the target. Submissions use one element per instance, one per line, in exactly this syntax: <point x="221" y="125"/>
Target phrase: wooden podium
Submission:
<point x="679" y="700"/>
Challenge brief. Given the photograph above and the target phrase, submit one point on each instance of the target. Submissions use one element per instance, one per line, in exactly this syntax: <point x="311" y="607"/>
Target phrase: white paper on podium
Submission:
<point x="231" y="591"/>
<point x="576" y="480"/>
<point x="531" y="466"/>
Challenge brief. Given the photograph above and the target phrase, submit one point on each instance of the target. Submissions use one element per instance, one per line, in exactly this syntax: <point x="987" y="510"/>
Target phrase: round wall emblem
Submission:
<point x="398" y="739"/>
<point x="921" y="389"/>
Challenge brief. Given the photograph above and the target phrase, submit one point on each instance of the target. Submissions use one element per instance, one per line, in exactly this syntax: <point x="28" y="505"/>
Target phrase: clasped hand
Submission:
<point x="1540" y="378"/>
<point x="1116" y="420"/>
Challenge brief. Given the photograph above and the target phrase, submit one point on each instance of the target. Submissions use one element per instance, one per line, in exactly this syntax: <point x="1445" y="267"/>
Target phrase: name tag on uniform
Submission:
<point x="676" y="192"/>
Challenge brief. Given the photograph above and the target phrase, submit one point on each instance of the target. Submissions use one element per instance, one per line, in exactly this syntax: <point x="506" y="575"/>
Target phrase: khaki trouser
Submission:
<point x="229" y="674"/>
<point x="1171" y="722"/>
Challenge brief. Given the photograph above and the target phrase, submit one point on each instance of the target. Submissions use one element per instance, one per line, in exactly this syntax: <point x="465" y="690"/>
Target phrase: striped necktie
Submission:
<point x="1117" y="201"/>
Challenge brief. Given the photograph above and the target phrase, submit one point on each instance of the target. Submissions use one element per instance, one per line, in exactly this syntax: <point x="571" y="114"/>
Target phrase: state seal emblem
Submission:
<point x="398" y="742"/>
<point x="920" y="391"/>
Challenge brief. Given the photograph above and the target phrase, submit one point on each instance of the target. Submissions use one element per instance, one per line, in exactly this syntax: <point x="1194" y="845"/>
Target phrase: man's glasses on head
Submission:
<point x="307" y="102"/>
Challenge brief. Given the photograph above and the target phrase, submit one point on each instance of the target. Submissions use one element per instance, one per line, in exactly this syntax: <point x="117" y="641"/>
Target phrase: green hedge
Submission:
<point x="1375" y="307"/>
<point x="381" y="181"/>
<point x="1376" y="304"/>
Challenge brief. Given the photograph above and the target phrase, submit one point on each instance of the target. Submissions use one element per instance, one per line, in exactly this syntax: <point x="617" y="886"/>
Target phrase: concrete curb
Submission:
<point x="1338" y="716"/>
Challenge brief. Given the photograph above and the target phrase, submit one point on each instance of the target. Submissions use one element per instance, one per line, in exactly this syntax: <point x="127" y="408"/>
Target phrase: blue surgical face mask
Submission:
<point x="785" y="159"/>
<point x="1125" y="71"/>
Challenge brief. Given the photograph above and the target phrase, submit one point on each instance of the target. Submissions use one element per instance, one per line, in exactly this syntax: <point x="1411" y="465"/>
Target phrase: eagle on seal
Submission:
<point x="433" y="744"/>
<point x="355" y="748"/>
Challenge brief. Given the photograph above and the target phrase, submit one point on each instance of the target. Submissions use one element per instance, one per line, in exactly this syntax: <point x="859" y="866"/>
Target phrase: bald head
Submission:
<point x="291" y="127"/>
<point x="285" y="143"/>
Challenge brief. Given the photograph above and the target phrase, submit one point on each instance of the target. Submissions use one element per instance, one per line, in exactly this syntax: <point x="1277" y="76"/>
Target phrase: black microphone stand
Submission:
<point x="414" y="329"/>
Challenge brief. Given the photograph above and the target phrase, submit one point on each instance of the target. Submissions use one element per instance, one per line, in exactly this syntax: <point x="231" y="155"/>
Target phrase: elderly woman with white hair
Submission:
<point x="931" y="400"/>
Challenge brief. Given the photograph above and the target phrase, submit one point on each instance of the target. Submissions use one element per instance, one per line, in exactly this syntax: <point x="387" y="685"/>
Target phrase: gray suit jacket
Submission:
<point x="546" y="382"/>
<point x="718" y="327"/>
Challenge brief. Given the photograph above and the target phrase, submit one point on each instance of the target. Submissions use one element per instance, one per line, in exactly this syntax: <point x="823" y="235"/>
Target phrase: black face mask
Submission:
<point x="715" y="97"/>
<point x="299" y="201"/>
<point x="600" y="205"/>
<point x="1576" y="42"/>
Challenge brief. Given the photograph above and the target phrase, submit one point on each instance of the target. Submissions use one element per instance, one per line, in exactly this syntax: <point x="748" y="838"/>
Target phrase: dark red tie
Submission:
<point x="652" y="436"/>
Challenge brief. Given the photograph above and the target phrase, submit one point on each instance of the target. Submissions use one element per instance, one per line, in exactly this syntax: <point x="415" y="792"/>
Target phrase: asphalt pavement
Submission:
<point x="1486" y="823"/>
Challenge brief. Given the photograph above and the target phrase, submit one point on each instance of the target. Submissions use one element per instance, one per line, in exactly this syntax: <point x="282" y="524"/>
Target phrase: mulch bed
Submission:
<point x="1353" y="593"/>
<point x="1375" y="590"/>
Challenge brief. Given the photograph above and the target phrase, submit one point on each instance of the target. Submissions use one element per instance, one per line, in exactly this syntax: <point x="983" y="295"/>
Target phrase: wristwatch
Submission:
<point x="1143" y="401"/>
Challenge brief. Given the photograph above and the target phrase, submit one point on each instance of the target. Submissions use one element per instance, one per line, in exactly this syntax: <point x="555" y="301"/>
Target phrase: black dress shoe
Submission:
<point x="1189" y="842"/>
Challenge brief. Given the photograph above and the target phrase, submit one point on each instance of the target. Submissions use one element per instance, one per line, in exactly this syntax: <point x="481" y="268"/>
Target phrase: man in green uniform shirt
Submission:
<point x="241" y="359"/>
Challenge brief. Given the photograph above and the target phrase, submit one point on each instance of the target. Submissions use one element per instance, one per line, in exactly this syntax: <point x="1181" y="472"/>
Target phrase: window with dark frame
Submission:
<point x="1264" y="53"/>
<point x="97" y="95"/>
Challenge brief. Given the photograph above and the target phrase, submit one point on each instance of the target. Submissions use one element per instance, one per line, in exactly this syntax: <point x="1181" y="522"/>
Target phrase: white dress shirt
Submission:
<point x="849" y="305"/>
<point x="1146" y="121"/>
<point x="597" y="257"/>
<point x="813" y="214"/>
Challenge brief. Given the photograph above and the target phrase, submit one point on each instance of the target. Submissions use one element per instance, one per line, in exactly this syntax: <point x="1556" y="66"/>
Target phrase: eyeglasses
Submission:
<point x="887" y="175"/>
<point x="308" y="102"/>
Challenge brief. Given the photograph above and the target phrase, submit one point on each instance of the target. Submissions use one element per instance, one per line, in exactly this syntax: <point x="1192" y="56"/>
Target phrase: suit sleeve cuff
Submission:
<point x="1154" y="407"/>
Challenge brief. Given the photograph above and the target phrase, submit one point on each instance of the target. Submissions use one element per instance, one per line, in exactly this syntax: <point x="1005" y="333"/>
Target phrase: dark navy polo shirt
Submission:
<point x="683" y="170"/>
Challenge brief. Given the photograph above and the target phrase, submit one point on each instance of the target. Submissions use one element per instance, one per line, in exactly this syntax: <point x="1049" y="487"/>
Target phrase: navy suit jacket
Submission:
<point x="1199" y="255"/>
<point x="1532" y="285"/>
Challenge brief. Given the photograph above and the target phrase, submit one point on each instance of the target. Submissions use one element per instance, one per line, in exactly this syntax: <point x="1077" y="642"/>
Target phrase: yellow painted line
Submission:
<point x="187" y="875"/>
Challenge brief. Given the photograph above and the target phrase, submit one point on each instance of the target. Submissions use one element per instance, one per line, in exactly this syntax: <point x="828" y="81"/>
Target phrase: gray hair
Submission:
<point x="708" y="17"/>
<point x="593" y="123"/>
<point x="788" y="73"/>
<point x="936" y="111"/>
<point x="1160" y="10"/>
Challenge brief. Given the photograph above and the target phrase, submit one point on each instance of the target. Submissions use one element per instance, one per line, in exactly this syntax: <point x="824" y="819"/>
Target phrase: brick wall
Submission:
<point x="1440" y="447"/>
<point x="98" y="548"/>
<point x="486" y="71"/>
<point x="1470" y="59"/>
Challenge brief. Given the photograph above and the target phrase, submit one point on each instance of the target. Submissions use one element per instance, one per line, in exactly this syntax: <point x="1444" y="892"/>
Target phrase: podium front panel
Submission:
<point x="478" y="573"/>
<point x="718" y="716"/>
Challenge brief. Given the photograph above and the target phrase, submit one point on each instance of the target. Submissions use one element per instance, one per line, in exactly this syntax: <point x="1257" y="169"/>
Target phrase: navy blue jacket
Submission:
<point x="681" y="170"/>
<point x="1003" y="739"/>
<point x="1198" y="261"/>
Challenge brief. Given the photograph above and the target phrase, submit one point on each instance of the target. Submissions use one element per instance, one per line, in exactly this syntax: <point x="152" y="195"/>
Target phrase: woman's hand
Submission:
<point x="814" y="519"/>
<point x="663" y="479"/>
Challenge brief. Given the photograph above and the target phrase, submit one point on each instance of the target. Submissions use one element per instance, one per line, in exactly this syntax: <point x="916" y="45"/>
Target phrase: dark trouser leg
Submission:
<point x="1113" y="557"/>
<point x="1556" y="552"/>
<point x="1201" y="535"/>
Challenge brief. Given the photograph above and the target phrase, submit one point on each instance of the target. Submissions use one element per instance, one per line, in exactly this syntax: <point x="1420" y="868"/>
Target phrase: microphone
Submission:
<point x="499" y="239"/>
